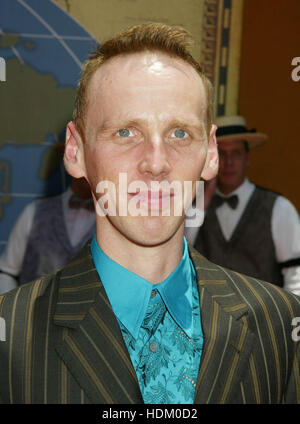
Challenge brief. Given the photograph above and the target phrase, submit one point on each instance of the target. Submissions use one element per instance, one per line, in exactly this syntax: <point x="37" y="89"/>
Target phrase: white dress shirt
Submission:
<point x="78" y="223"/>
<point x="285" y="229"/>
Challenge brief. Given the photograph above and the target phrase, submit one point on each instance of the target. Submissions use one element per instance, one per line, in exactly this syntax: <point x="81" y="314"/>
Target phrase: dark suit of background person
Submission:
<point x="64" y="343"/>
<point x="259" y="233"/>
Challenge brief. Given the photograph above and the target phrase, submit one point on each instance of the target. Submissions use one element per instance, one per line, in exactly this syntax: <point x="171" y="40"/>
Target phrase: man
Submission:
<point x="259" y="233"/>
<point x="138" y="316"/>
<point x="47" y="235"/>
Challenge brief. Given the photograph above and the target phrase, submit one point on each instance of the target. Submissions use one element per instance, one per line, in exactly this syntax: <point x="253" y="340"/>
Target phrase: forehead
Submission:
<point x="144" y="69"/>
<point x="231" y="145"/>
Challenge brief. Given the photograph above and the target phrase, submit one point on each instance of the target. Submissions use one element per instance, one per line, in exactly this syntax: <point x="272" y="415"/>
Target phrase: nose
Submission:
<point x="228" y="160"/>
<point x="155" y="162"/>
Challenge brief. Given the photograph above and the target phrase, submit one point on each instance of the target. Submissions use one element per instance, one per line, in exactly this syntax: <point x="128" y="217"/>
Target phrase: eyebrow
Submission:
<point x="108" y="124"/>
<point x="198" y="126"/>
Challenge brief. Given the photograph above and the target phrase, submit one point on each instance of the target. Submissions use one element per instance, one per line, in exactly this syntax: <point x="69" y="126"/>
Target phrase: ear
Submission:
<point x="211" y="166"/>
<point x="74" y="153"/>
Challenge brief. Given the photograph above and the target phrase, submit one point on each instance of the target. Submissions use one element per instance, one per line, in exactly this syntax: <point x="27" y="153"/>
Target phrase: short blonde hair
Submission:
<point x="172" y="40"/>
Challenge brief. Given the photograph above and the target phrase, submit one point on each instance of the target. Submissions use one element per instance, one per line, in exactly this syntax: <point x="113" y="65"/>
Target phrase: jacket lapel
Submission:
<point x="227" y="339"/>
<point x="92" y="347"/>
<point x="91" y="343"/>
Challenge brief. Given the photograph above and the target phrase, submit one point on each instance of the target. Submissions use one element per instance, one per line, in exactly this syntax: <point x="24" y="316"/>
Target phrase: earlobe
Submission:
<point x="211" y="166"/>
<point x="74" y="157"/>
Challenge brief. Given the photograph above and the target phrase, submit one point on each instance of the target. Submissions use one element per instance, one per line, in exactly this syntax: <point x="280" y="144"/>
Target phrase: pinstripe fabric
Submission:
<point x="63" y="343"/>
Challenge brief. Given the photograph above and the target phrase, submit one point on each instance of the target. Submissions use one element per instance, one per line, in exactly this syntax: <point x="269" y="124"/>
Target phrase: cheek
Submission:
<point x="105" y="168"/>
<point x="94" y="166"/>
<point x="241" y="166"/>
<point x="191" y="169"/>
<point x="200" y="160"/>
<point x="221" y="164"/>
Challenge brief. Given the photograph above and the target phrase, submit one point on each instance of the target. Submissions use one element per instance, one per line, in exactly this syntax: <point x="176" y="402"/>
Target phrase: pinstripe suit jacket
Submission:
<point x="63" y="343"/>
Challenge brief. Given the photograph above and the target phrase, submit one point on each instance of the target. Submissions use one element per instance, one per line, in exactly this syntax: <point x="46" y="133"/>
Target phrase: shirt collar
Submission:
<point x="129" y="293"/>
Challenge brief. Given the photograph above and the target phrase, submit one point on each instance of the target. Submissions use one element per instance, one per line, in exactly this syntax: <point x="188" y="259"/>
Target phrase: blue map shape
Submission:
<point x="50" y="42"/>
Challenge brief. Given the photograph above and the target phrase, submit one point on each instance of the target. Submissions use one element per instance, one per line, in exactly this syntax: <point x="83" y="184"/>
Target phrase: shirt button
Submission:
<point x="153" y="347"/>
<point x="153" y="294"/>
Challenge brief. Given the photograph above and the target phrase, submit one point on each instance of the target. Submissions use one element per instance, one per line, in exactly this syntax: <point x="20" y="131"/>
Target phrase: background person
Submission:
<point x="248" y="228"/>
<point x="47" y="235"/>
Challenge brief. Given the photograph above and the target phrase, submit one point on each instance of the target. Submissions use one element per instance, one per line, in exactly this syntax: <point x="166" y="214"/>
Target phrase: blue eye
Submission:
<point x="124" y="132"/>
<point x="180" y="133"/>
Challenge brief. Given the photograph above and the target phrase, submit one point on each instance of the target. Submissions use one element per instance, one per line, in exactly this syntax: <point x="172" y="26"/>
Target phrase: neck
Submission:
<point x="153" y="263"/>
<point x="226" y="190"/>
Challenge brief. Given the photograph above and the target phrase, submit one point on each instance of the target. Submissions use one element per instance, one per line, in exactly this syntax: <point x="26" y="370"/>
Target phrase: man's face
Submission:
<point x="233" y="164"/>
<point x="146" y="118"/>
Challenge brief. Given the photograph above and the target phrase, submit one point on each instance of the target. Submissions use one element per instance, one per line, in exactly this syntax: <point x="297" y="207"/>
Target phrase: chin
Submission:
<point x="152" y="231"/>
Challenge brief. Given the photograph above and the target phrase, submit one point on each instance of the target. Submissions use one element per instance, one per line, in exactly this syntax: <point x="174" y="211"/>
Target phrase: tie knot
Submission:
<point x="231" y="200"/>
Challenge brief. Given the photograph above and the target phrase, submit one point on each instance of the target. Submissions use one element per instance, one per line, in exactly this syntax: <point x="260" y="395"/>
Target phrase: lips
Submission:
<point x="150" y="198"/>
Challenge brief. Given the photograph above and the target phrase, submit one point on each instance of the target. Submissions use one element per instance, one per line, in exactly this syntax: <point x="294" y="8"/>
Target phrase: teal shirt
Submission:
<point x="160" y="324"/>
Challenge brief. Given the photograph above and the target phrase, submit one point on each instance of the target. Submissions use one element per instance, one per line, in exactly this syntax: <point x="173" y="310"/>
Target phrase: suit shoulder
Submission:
<point x="16" y="302"/>
<point x="259" y="296"/>
<point x="267" y="191"/>
<point x="263" y="295"/>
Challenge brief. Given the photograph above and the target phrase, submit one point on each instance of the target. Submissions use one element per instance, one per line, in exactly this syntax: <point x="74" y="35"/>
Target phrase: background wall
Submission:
<point x="43" y="49"/>
<point x="45" y="43"/>
<point x="105" y="18"/>
<point x="215" y="24"/>
<point x="269" y="98"/>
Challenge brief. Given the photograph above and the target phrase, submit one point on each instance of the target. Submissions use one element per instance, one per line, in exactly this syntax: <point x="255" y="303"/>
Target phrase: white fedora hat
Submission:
<point x="234" y="128"/>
